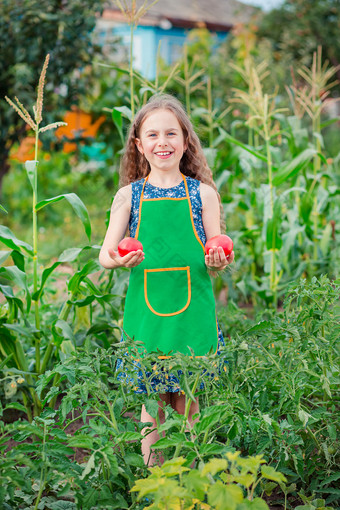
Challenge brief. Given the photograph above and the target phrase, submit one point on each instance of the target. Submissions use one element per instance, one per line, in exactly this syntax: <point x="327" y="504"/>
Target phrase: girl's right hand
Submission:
<point x="132" y="259"/>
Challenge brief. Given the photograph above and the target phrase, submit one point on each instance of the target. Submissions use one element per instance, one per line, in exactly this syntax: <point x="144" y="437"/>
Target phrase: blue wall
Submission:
<point x="146" y="42"/>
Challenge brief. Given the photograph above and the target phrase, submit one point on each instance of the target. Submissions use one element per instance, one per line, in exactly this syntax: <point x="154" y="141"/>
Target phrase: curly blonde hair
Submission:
<point x="134" y="165"/>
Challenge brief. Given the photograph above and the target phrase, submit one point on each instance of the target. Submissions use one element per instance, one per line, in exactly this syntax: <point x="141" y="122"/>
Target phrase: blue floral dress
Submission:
<point x="150" y="191"/>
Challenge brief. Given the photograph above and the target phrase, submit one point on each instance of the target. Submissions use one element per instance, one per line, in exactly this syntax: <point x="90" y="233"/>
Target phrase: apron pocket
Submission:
<point x="167" y="291"/>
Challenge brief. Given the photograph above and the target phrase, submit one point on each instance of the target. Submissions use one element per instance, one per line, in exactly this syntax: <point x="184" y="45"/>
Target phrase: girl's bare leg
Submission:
<point x="150" y="458"/>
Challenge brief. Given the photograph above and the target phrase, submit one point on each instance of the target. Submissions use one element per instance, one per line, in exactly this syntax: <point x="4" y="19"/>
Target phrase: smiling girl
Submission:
<point x="169" y="202"/>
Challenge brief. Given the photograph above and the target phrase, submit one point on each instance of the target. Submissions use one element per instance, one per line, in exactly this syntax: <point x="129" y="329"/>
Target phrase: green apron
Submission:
<point x="170" y="303"/>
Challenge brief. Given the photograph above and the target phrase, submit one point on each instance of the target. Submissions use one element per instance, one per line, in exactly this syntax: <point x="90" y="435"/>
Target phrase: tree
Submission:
<point x="298" y="27"/>
<point x="29" y="29"/>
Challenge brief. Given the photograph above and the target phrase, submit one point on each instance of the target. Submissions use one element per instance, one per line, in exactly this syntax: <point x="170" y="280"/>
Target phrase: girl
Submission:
<point x="167" y="200"/>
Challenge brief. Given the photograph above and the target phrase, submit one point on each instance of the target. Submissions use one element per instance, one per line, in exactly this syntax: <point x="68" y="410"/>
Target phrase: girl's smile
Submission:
<point x="161" y="141"/>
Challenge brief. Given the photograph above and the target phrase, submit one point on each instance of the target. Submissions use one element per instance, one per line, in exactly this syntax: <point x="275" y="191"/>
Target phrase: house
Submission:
<point x="166" y="25"/>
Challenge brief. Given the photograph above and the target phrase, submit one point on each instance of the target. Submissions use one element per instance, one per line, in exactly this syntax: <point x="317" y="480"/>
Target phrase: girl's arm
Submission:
<point x="119" y="220"/>
<point x="216" y="258"/>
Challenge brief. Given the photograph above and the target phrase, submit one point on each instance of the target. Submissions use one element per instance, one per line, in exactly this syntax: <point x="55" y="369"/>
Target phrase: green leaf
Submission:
<point x="89" y="466"/>
<point x="65" y="328"/>
<point x="304" y="417"/>
<point x="306" y="206"/>
<point x="210" y="155"/>
<point x="329" y="122"/>
<point x="21" y="330"/>
<point x="125" y="111"/>
<point x="294" y="166"/>
<point x="260" y="326"/>
<point x="168" y="442"/>
<point x="214" y="466"/>
<point x="269" y="487"/>
<point x="245" y="147"/>
<point x="18" y="259"/>
<point x="197" y="484"/>
<point x="4" y="255"/>
<point x="9" y="239"/>
<point x="308" y="506"/>
<point x="36" y="296"/>
<point x="15" y="275"/>
<point x="250" y="464"/>
<point x="273" y="238"/>
<point x="68" y="255"/>
<point x="31" y="169"/>
<point x="77" y="205"/>
<point x="224" y="497"/>
<point x="6" y="360"/>
<point x="62" y="505"/>
<point x="19" y="278"/>
<point x="326" y="239"/>
<point x="256" y="504"/>
<point x="245" y="479"/>
<point x="129" y="436"/>
<point x="174" y="466"/>
<point x="12" y="300"/>
<point x="90" y="267"/>
<point x="332" y="431"/>
<point x="319" y="503"/>
<point x="118" y="122"/>
<point x="233" y="431"/>
<point x="151" y="407"/>
<point x="134" y="459"/>
<point x="80" y="441"/>
<point x="271" y="474"/>
<point x="16" y="405"/>
<point x="147" y="486"/>
<point x="3" y="209"/>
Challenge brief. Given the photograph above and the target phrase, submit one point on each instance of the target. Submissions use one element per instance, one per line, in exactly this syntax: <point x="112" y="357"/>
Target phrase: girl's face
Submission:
<point x="161" y="140"/>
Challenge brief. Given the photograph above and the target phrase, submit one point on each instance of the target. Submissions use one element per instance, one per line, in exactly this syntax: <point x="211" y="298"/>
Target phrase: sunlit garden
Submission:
<point x="265" y="105"/>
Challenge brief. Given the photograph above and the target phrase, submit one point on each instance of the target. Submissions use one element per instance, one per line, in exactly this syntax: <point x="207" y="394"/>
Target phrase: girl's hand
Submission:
<point x="216" y="259"/>
<point x="132" y="259"/>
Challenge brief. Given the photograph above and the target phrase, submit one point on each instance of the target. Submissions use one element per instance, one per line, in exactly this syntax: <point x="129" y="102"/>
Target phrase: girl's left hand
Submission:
<point x="216" y="259"/>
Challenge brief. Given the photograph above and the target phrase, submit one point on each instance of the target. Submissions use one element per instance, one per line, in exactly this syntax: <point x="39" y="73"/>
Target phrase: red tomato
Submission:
<point x="224" y="241"/>
<point x="129" y="244"/>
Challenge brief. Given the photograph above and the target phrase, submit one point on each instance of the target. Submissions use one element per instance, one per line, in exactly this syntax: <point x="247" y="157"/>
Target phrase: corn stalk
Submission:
<point x="190" y="76"/>
<point x="311" y="98"/>
<point x="132" y="14"/>
<point x="261" y="119"/>
<point x="32" y="171"/>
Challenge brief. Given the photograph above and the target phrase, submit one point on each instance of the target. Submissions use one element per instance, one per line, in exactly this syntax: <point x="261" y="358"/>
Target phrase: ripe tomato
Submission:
<point x="222" y="240"/>
<point x="129" y="244"/>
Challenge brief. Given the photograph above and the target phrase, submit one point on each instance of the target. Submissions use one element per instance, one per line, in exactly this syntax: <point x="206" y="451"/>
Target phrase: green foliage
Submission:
<point x="303" y="26"/>
<point x="29" y="30"/>
<point x="173" y="484"/>
<point x="48" y="338"/>
<point x="272" y="394"/>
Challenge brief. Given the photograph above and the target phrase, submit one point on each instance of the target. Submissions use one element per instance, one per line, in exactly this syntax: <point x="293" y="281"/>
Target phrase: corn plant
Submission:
<point x="311" y="98"/>
<point x="190" y="75"/>
<point x="132" y="14"/>
<point x="31" y="167"/>
<point x="263" y="119"/>
<point x="17" y="329"/>
<point x="253" y="76"/>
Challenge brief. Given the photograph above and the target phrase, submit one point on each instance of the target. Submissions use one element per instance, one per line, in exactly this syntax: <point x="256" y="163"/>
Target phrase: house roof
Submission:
<point x="213" y="14"/>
